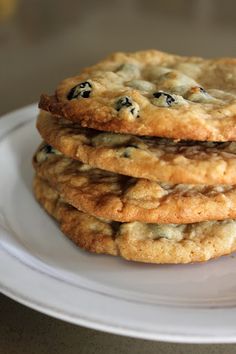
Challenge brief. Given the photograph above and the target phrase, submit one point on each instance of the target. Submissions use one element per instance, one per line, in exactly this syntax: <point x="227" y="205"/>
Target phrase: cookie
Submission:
<point x="152" y="93"/>
<point x="150" y="243"/>
<point x="152" y="158"/>
<point x="122" y="198"/>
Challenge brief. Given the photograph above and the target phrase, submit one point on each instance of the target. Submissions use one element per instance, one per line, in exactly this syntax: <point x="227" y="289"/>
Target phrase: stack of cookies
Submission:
<point x="138" y="157"/>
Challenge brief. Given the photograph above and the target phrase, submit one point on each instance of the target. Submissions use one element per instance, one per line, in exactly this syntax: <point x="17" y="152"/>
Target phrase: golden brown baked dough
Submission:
<point x="122" y="198"/>
<point x="147" y="157"/>
<point x="150" y="243"/>
<point x="152" y="93"/>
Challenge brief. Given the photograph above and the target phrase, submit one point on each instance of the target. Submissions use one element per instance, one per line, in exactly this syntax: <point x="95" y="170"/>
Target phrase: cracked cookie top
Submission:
<point x="122" y="198"/>
<point x="152" y="93"/>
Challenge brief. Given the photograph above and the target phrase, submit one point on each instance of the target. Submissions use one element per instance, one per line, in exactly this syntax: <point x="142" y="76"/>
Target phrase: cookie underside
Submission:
<point x="150" y="243"/>
<point x="151" y="158"/>
<point x="122" y="198"/>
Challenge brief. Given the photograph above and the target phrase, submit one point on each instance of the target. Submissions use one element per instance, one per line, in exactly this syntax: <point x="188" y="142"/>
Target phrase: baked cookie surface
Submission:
<point x="152" y="93"/>
<point x="150" y="243"/>
<point x="122" y="198"/>
<point x="152" y="158"/>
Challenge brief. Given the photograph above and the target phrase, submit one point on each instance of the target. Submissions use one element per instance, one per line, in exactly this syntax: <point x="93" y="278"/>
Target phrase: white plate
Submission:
<point x="43" y="270"/>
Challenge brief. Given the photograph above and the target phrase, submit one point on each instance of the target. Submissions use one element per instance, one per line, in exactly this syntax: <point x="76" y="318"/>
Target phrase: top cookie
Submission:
<point x="152" y="93"/>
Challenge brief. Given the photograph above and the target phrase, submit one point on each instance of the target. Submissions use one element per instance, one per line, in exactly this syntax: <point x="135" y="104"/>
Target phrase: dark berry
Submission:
<point x="48" y="149"/>
<point x="202" y="90"/>
<point x="126" y="154"/>
<point x="123" y="102"/>
<point x="168" y="97"/>
<point x="81" y="90"/>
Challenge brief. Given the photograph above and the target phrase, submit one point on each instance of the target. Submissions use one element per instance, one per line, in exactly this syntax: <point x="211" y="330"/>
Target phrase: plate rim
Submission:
<point x="8" y="122"/>
<point x="55" y="312"/>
